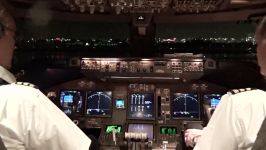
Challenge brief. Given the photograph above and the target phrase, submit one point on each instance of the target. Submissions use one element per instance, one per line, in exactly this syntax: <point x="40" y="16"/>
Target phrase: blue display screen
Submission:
<point x="68" y="98"/>
<point x="120" y="103"/>
<point x="214" y="102"/>
<point x="212" y="99"/>
<point x="70" y="101"/>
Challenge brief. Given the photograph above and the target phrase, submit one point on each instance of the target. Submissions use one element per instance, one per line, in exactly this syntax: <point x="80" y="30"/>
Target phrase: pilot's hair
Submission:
<point x="6" y="19"/>
<point x="261" y="30"/>
<point x="3" y="11"/>
<point x="2" y="8"/>
<point x="2" y="14"/>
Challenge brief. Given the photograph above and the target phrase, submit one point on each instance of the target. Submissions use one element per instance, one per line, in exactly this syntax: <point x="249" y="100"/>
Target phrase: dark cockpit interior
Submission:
<point x="136" y="73"/>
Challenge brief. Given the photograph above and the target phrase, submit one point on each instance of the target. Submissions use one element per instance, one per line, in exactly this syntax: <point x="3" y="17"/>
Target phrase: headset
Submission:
<point x="2" y="30"/>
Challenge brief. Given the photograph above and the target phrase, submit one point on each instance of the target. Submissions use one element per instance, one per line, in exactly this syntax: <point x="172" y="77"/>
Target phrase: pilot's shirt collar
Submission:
<point x="6" y="76"/>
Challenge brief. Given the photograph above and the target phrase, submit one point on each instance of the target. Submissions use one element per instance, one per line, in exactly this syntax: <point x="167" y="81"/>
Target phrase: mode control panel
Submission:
<point x="169" y="68"/>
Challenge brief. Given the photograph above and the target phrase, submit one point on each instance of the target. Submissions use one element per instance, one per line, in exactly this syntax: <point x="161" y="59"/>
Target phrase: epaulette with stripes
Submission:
<point x="27" y="84"/>
<point x="3" y="82"/>
<point x="236" y="91"/>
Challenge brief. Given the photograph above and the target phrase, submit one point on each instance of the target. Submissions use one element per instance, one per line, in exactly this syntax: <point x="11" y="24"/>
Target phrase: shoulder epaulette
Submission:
<point x="3" y="82"/>
<point x="236" y="91"/>
<point x="27" y="84"/>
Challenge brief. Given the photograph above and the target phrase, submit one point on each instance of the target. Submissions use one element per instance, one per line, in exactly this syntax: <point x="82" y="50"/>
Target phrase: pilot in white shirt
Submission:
<point x="236" y="121"/>
<point x="28" y="119"/>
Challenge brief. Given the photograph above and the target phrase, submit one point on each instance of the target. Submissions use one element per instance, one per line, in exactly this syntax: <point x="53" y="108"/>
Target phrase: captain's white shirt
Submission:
<point x="235" y="122"/>
<point x="30" y="121"/>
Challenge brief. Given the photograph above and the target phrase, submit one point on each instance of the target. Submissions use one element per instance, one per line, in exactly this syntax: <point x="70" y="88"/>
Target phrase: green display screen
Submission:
<point x="109" y="128"/>
<point x="168" y="130"/>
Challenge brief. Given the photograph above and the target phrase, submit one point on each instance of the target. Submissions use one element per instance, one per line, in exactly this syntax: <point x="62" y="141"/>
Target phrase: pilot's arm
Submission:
<point x="53" y="130"/>
<point x="29" y="120"/>
<point x="235" y="122"/>
<point x="223" y="129"/>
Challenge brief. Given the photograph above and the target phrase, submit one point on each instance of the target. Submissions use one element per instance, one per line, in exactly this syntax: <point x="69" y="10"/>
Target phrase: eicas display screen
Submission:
<point x="71" y="100"/>
<point x="141" y="106"/>
<point x="99" y="103"/>
<point x="109" y="128"/>
<point x="141" y="128"/>
<point x="185" y="106"/>
<point x="212" y="99"/>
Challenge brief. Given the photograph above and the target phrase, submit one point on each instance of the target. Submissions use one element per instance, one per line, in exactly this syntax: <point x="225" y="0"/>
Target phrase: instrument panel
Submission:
<point x="151" y="114"/>
<point x="148" y="112"/>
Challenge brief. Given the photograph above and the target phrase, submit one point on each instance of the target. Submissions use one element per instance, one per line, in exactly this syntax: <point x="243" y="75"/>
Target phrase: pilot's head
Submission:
<point x="7" y="37"/>
<point x="261" y="45"/>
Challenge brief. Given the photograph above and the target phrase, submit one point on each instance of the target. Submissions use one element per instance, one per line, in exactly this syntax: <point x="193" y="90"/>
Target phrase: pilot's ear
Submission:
<point x="263" y="43"/>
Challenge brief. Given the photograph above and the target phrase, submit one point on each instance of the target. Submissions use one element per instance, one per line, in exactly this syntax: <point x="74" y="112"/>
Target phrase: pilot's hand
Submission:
<point x="192" y="136"/>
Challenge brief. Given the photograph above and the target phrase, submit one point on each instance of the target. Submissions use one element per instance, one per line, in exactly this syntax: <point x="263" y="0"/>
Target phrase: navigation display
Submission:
<point x="99" y="103"/>
<point x="185" y="106"/>
<point x="71" y="101"/>
<point x="141" y="106"/>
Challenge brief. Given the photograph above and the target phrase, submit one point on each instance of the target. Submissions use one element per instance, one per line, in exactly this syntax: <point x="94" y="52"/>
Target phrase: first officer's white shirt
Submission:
<point x="30" y="121"/>
<point x="235" y="122"/>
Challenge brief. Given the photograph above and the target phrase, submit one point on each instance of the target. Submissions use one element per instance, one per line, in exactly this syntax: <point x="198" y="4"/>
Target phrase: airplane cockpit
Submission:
<point x="174" y="61"/>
